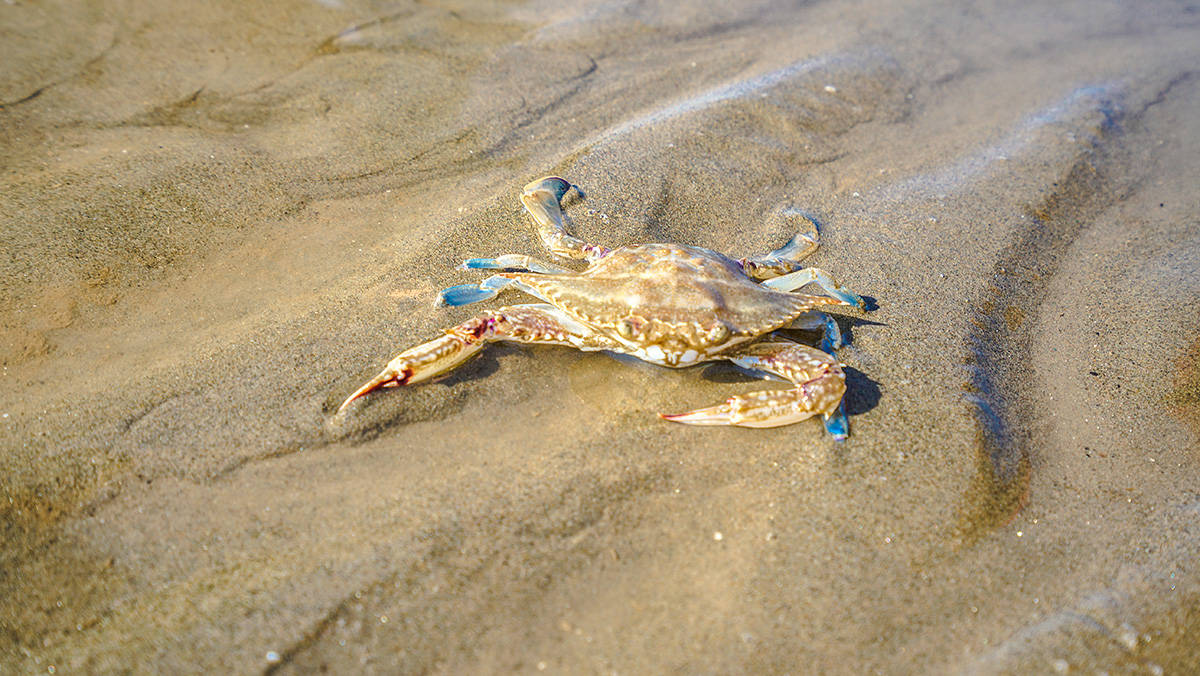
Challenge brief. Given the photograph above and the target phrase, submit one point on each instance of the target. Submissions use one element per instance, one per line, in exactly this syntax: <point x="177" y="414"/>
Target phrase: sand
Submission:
<point x="219" y="219"/>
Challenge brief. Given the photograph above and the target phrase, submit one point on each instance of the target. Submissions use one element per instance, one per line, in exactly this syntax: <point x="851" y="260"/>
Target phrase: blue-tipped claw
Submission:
<point x="837" y="425"/>
<point x="465" y="294"/>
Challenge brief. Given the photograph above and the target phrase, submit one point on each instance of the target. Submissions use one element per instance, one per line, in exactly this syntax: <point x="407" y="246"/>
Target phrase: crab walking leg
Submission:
<point x="797" y="279"/>
<point x="786" y="258"/>
<point x="533" y="323"/>
<point x="465" y="294"/>
<point x="514" y="263"/>
<point x="819" y="386"/>
<point x="543" y="201"/>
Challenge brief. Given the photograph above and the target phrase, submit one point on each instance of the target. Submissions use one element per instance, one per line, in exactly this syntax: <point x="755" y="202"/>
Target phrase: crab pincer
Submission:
<point x="819" y="385"/>
<point x="418" y="364"/>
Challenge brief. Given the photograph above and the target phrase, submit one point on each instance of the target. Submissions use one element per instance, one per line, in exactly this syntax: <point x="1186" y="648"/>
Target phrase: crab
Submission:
<point x="667" y="304"/>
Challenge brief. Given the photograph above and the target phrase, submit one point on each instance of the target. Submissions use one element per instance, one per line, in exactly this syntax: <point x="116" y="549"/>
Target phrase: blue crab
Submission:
<point x="668" y="304"/>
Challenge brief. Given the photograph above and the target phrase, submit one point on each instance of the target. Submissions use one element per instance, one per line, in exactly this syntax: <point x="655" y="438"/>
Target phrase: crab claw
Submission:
<point x="767" y="408"/>
<point x="721" y="414"/>
<point x="736" y="411"/>
<point x="430" y="359"/>
<point x="389" y="377"/>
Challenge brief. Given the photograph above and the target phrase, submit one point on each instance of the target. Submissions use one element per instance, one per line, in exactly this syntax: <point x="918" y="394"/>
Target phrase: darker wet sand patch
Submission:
<point x="1185" y="396"/>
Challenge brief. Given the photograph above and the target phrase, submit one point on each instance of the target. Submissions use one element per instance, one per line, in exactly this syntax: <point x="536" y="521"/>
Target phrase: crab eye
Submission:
<point x="718" y="333"/>
<point x="625" y="328"/>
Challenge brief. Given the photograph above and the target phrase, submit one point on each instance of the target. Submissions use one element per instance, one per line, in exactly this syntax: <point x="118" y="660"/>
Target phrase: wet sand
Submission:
<point x="217" y="222"/>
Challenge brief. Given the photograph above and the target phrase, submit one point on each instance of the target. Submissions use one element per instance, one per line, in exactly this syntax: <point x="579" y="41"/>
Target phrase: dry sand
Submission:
<point x="218" y="219"/>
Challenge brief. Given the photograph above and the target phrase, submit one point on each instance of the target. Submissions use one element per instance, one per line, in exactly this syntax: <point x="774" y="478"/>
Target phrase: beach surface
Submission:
<point x="219" y="219"/>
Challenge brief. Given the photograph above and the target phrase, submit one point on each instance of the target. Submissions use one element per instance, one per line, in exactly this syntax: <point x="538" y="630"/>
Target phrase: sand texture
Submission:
<point x="219" y="219"/>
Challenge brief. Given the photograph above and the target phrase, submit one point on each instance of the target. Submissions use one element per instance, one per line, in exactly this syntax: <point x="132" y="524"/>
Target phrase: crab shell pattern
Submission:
<point x="667" y="304"/>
